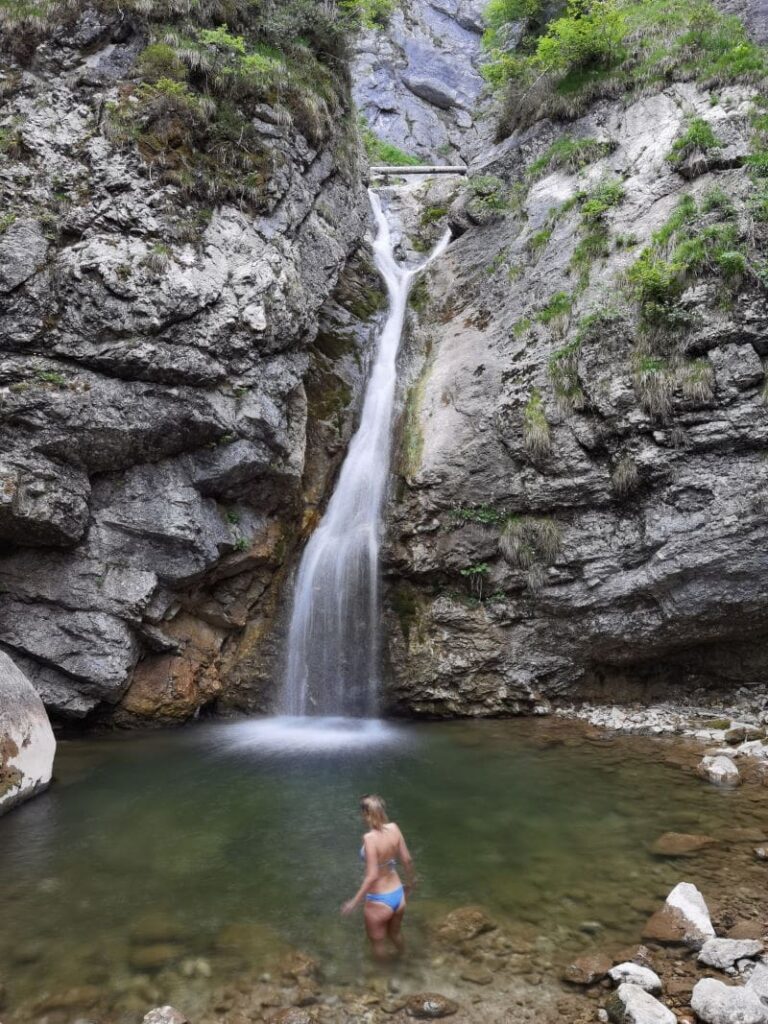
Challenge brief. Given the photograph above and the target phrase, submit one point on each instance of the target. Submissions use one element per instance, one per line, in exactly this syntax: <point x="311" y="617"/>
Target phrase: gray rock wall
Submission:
<point x="418" y="84"/>
<point x="624" y="552"/>
<point x="155" y="355"/>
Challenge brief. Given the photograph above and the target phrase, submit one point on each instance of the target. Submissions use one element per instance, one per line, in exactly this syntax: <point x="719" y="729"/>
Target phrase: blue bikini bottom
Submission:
<point x="392" y="899"/>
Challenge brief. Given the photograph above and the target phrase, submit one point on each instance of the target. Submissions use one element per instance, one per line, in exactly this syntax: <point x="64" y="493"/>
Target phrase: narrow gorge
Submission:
<point x="451" y="484"/>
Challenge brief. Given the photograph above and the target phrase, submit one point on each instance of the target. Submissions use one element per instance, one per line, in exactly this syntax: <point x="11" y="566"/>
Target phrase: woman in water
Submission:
<point x="382" y="893"/>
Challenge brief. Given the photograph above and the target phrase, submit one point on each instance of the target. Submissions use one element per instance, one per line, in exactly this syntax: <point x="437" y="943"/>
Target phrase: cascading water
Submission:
<point x="333" y="641"/>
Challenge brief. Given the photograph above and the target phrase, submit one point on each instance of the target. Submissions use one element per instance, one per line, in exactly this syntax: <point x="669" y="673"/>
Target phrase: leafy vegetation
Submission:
<point x="379" y="151"/>
<point x="616" y="48"/>
<point x="209" y="71"/>
<point x="488" y="193"/>
<point x="698" y="138"/>
<point x="696" y="241"/>
<point x="559" y="305"/>
<point x="570" y="154"/>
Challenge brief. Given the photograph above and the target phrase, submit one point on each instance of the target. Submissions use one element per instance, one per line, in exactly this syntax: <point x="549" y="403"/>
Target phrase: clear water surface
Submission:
<point x="255" y="824"/>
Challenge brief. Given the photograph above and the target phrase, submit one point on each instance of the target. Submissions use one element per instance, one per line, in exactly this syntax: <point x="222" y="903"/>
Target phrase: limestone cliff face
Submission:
<point x="168" y="407"/>
<point x="581" y="505"/>
<point x="417" y="81"/>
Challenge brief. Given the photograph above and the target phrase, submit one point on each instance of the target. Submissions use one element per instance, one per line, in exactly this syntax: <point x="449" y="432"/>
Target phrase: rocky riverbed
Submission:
<point x="511" y="921"/>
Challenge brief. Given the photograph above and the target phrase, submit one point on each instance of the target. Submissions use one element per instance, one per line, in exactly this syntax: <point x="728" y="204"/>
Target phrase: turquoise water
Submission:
<point x="255" y="826"/>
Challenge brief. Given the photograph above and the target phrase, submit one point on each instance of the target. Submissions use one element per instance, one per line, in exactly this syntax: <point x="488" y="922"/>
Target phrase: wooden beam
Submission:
<point x="378" y="172"/>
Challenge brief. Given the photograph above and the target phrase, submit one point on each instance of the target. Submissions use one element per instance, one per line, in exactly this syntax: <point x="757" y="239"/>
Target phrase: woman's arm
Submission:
<point x="371" y="874"/>
<point x="406" y="860"/>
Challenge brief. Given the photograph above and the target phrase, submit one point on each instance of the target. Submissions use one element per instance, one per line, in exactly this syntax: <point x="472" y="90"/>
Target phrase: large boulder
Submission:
<point x="631" y="1004"/>
<point x="683" y="920"/>
<point x="714" y="1002"/>
<point x="719" y="769"/>
<point x="27" y="743"/>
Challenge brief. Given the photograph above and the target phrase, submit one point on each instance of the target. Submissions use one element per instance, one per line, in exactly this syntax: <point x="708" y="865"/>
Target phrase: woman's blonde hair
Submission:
<point x="374" y="810"/>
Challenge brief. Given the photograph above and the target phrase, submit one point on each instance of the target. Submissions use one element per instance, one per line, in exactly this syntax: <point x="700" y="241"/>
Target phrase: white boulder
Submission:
<point x="688" y="901"/>
<point x="714" y="1002"/>
<point x="719" y="769"/>
<point x="27" y="743"/>
<point x="634" y="974"/>
<point x="723" y="953"/>
<point x="630" y="1004"/>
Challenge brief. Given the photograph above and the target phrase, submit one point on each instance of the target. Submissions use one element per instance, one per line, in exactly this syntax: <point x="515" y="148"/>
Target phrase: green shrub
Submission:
<point x="600" y="199"/>
<point x="590" y="35"/>
<point x="570" y="154"/>
<point x="558" y="305"/>
<point x="698" y="137"/>
<point x="379" y="151"/>
<point x="488" y="192"/>
<point x="620" y="49"/>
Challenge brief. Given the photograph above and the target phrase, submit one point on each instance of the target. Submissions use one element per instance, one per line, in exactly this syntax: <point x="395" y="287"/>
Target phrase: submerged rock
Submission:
<point x="27" y="743"/>
<point x="635" y="974"/>
<point x="165" y="1015"/>
<point x="586" y="970"/>
<point x="680" y="844"/>
<point x="293" y="1015"/>
<point x="154" y="958"/>
<point x="720" y="770"/>
<point x="714" y="1002"/>
<point x="630" y="1004"/>
<point x="463" y="925"/>
<point x="430" y="1006"/>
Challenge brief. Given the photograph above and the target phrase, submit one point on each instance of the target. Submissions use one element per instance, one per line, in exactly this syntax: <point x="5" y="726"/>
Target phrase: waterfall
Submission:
<point x="333" y="641"/>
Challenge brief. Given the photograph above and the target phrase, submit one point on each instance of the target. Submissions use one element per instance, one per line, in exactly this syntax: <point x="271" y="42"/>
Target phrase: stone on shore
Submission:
<point x="27" y="743"/>
<point x="630" y="1004"/>
<point x="634" y="974"/>
<point x="758" y="981"/>
<point x="714" y="1002"/>
<point x="680" y="844"/>
<point x="430" y="1006"/>
<point x="165" y="1015"/>
<point x="586" y="970"/>
<point x="719" y="769"/>
<point x="682" y="921"/>
<point x="723" y="953"/>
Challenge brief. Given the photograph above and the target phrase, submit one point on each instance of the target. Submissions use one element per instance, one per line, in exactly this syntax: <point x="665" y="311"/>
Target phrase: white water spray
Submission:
<point x="333" y="642"/>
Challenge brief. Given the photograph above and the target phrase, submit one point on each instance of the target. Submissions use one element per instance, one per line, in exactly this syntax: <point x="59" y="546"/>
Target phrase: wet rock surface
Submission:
<point x="27" y="743"/>
<point x="519" y="577"/>
<point x="168" y="390"/>
<point x="417" y="80"/>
